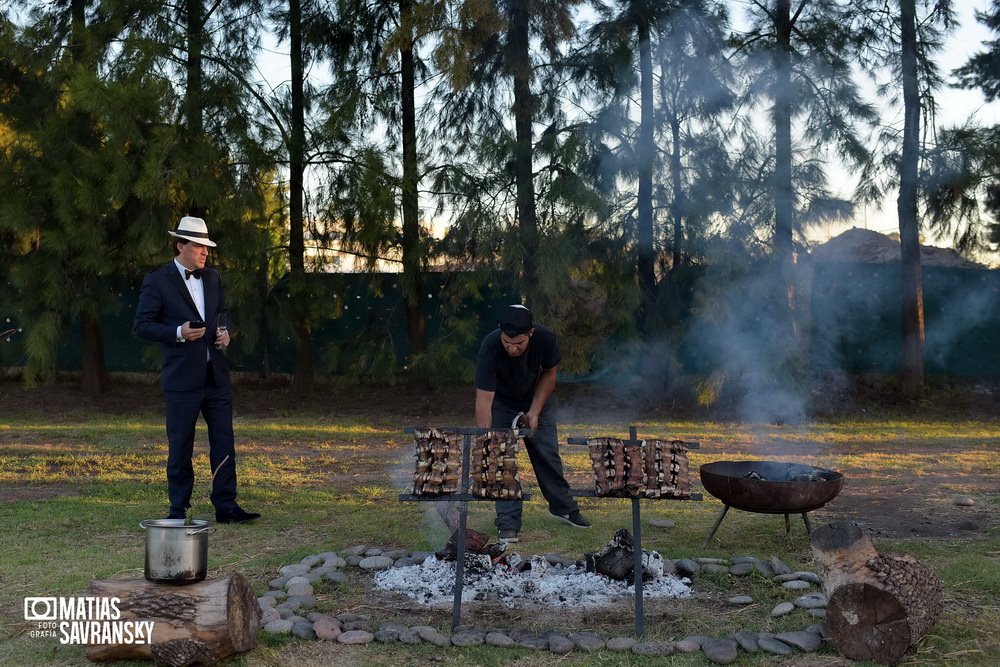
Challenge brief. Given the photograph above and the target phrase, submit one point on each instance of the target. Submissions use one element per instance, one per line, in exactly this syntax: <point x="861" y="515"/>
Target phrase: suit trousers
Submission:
<point x="215" y="404"/>
<point x="543" y="451"/>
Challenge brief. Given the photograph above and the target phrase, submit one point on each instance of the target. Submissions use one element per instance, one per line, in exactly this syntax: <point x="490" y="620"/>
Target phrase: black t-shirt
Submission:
<point x="514" y="378"/>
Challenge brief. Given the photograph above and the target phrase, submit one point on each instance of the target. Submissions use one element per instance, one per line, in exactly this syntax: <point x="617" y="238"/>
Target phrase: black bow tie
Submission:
<point x="196" y="273"/>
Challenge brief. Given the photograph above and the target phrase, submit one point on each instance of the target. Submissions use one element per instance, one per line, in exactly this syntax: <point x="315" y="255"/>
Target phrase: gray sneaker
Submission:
<point x="507" y="536"/>
<point x="574" y="518"/>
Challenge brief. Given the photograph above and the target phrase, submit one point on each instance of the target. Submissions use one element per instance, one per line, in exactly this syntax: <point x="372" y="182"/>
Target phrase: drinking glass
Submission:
<point x="221" y="327"/>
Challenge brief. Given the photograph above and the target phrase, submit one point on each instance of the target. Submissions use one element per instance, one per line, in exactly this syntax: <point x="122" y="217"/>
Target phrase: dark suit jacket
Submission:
<point x="164" y="304"/>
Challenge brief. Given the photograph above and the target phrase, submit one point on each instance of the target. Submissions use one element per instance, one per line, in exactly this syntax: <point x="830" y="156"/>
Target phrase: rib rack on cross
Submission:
<point x="653" y="469"/>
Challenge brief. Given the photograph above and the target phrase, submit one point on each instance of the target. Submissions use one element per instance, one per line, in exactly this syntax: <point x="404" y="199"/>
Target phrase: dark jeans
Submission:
<point x="215" y="404"/>
<point x="543" y="450"/>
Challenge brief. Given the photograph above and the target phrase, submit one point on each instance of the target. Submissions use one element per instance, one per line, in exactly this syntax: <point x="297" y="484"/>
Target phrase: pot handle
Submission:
<point x="196" y="531"/>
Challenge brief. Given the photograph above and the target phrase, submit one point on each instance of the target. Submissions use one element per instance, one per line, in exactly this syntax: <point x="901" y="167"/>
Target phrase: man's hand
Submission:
<point x="222" y="338"/>
<point x="187" y="333"/>
<point x="531" y="420"/>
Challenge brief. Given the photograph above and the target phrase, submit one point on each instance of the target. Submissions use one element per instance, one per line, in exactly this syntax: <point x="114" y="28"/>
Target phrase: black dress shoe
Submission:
<point x="236" y="515"/>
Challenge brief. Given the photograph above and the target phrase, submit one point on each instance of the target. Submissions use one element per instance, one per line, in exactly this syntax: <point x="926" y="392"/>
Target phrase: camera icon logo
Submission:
<point x="41" y="609"/>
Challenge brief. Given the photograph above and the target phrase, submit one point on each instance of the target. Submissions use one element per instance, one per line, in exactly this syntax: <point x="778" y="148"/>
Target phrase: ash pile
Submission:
<point x="493" y="575"/>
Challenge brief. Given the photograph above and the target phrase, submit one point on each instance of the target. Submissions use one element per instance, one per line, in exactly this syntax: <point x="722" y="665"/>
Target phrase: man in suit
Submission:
<point x="179" y="308"/>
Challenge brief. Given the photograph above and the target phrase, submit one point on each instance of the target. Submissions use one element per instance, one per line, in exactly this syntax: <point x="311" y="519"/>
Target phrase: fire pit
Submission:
<point x="769" y="487"/>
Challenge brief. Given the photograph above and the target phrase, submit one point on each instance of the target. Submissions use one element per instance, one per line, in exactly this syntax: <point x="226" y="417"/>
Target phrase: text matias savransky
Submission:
<point x="91" y="621"/>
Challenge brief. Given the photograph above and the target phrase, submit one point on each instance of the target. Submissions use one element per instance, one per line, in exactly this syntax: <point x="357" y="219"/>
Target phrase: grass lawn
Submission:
<point x="78" y="474"/>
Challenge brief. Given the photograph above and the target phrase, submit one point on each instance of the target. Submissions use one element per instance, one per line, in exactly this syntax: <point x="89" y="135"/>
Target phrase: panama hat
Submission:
<point x="193" y="229"/>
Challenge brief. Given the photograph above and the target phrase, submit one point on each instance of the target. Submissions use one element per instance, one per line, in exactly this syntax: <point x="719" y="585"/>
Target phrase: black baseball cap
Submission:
<point x="516" y="320"/>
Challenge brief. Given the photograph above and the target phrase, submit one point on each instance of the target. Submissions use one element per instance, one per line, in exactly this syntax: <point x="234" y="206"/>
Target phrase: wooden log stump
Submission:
<point x="878" y="605"/>
<point x="193" y="624"/>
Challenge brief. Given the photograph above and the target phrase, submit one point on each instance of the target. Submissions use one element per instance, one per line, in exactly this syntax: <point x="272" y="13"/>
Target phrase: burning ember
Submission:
<point x="510" y="580"/>
<point x="792" y="473"/>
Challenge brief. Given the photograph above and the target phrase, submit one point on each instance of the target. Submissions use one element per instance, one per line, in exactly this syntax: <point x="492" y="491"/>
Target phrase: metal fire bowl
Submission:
<point x="785" y="487"/>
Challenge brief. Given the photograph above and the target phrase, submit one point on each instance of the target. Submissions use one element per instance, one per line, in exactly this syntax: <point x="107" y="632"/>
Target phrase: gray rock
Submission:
<point x="334" y="561"/>
<point x="817" y="613"/>
<point x="303" y="601"/>
<point x="299" y="589"/>
<point x="713" y="561"/>
<point x="421" y="556"/>
<point x="811" y="577"/>
<point x="405" y="561"/>
<point x="498" y="639"/>
<point x="267" y="602"/>
<point x="327" y="555"/>
<point x="468" y="638"/>
<point x="687" y="646"/>
<point x="374" y="551"/>
<point x="740" y="599"/>
<point x="802" y="640"/>
<point x="296" y="570"/>
<point x="764" y="568"/>
<point x="268" y="615"/>
<point x="811" y="601"/>
<point x="277" y="595"/>
<point x="782" y="608"/>
<point x="746" y="640"/>
<point x="353" y="560"/>
<point x="741" y="569"/>
<point x="964" y="501"/>
<point x="432" y="636"/>
<point x="782" y="578"/>
<point x="587" y="641"/>
<point x="410" y="636"/>
<point x="661" y="523"/>
<point x="285" y="611"/>
<point x="313" y="575"/>
<point x="774" y="646"/>
<point x="620" y="643"/>
<point x="797" y="585"/>
<point x="721" y="651"/>
<point x="714" y="568"/>
<point x="653" y="649"/>
<point x="686" y="567"/>
<point x="356" y="624"/>
<point x="310" y="561"/>
<point x="348" y="616"/>
<point x="778" y="566"/>
<point x="376" y="562"/>
<point x="279" y="582"/>
<point x="541" y="643"/>
<point x="697" y="640"/>
<point x="742" y="559"/>
<point x="669" y="567"/>
<point x="821" y="630"/>
<point x="279" y="627"/>
<point x="336" y="577"/>
<point x="560" y="644"/>
<point x="356" y="637"/>
<point x="396" y="554"/>
<point x="303" y="630"/>
<point x="387" y="636"/>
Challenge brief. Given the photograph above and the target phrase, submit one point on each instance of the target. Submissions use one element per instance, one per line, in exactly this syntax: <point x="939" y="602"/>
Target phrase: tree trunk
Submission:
<point x="413" y="264"/>
<point x="93" y="372"/>
<point x="644" y="203"/>
<point x="298" y="289"/>
<point x="524" y="108"/>
<point x="912" y="354"/>
<point x="878" y="606"/>
<point x="192" y="624"/>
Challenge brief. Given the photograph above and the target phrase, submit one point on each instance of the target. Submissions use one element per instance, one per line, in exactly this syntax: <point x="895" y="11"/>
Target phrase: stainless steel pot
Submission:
<point x="176" y="553"/>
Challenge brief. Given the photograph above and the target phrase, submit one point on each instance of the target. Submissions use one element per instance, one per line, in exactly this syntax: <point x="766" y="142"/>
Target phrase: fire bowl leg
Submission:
<point x="716" y="526"/>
